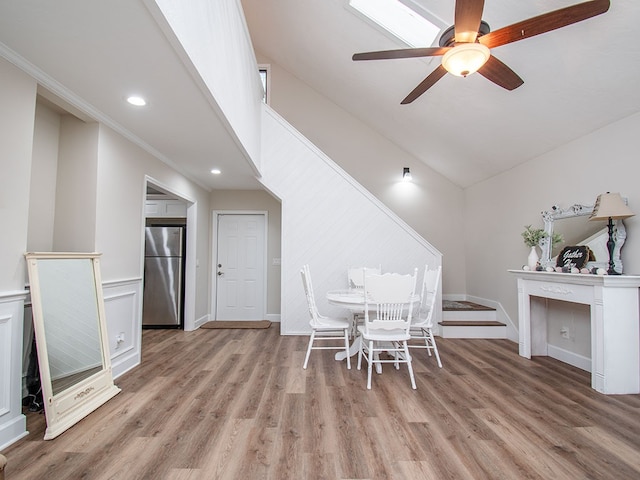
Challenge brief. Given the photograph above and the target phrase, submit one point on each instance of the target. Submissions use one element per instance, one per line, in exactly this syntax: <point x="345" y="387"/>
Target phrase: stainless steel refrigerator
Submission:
<point x="163" y="277"/>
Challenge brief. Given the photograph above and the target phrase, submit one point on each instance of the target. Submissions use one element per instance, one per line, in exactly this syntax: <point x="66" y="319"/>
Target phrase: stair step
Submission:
<point x="467" y="311"/>
<point x="471" y="323"/>
<point x="464" y="319"/>
<point x="470" y="316"/>
<point x="472" y="329"/>
<point x="463" y="305"/>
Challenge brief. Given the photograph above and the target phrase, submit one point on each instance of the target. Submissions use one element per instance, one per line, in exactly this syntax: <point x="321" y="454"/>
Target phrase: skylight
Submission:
<point x="399" y="20"/>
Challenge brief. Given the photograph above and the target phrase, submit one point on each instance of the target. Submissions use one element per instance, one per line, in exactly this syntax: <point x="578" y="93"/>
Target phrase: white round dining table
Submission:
<point x="353" y="300"/>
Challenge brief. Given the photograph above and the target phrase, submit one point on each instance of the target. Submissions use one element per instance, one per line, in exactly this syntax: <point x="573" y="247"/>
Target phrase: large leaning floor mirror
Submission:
<point x="71" y="336"/>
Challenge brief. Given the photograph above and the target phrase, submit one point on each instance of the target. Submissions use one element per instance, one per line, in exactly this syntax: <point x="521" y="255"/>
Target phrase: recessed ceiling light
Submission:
<point x="216" y="171"/>
<point x="137" y="101"/>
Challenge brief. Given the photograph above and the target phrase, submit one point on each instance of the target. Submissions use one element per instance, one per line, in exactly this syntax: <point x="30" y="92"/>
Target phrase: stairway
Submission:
<point x="464" y="319"/>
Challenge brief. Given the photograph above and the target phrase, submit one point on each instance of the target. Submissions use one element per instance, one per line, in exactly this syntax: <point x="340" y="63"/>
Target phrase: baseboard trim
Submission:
<point x="125" y="362"/>
<point x="574" y="359"/>
<point x="201" y="321"/>
<point x="273" y="317"/>
<point x="13" y="431"/>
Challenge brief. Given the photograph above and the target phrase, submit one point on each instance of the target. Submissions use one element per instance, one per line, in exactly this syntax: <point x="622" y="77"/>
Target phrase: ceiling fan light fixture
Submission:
<point x="465" y="58"/>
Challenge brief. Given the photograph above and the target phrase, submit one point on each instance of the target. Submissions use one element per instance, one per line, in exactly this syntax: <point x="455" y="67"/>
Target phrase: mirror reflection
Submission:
<point x="71" y="328"/>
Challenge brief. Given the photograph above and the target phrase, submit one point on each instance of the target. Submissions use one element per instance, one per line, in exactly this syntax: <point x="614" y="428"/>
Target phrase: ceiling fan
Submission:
<point x="464" y="47"/>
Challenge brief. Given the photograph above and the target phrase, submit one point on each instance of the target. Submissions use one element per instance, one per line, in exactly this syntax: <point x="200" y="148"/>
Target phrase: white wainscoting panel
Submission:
<point x="13" y="425"/>
<point x="5" y="361"/>
<point x="123" y="310"/>
<point x="27" y="343"/>
<point x="330" y="222"/>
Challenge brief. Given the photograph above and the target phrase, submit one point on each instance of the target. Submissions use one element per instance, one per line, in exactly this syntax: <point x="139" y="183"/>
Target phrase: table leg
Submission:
<point x="353" y="350"/>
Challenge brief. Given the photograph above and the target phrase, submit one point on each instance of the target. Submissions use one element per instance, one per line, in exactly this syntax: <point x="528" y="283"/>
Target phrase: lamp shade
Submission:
<point x="465" y="58"/>
<point x="610" y="205"/>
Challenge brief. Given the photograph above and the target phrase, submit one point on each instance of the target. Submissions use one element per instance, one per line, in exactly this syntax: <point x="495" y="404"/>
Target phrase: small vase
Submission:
<point x="532" y="259"/>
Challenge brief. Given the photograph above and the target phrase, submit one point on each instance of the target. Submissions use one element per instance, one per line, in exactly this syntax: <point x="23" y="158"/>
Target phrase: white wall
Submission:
<point x="433" y="206"/>
<point x="330" y="222"/>
<point x="498" y="209"/>
<point x="17" y="98"/>
<point x="122" y="169"/>
<point x="74" y="228"/>
<point x="42" y="201"/>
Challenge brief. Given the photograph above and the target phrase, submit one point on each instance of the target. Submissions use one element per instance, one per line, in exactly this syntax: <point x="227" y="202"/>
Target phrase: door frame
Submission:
<point x="214" y="255"/>
<point x="190" y="260"/>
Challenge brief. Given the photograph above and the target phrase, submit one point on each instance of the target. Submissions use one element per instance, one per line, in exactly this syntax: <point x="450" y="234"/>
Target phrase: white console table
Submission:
<point x="615" y="322"/>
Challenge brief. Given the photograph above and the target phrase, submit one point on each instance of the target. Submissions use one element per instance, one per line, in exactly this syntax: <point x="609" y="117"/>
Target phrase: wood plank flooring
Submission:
<point x="236" y="404"/>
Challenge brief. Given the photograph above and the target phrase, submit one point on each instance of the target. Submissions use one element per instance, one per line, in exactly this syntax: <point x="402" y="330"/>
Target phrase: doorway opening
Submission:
<point x="169" y="258"/>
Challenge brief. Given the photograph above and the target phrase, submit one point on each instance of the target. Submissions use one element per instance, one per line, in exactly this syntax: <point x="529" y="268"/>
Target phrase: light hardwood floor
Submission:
<point x="236" y="404"/>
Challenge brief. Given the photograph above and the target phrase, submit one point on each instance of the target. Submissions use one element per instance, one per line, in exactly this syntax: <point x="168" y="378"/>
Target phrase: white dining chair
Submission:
<point x="323" y="329"/>
<point x="355" y="275"/>
<point x="355" y="279"/>
<point x="388" y="310"/>
<point x="422" y="323"/>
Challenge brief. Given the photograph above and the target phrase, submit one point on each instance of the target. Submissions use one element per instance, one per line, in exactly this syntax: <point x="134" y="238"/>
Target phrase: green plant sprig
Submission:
<point x="533" y="236"/>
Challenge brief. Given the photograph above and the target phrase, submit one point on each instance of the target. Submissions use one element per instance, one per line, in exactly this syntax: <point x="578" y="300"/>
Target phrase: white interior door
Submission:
<point x="240" y="267"/>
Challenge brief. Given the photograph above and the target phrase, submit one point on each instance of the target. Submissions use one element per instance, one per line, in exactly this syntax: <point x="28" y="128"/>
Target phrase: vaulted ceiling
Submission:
<point x="577" y="80"/>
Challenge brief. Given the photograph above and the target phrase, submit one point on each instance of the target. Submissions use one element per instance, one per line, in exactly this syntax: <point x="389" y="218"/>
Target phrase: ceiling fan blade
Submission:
<point x="402" y="53"/>
<point x="500" y="74"/>
<point x="544" y="23"/>
<point x="467" y="20"/>
<point x="427" y="83"/>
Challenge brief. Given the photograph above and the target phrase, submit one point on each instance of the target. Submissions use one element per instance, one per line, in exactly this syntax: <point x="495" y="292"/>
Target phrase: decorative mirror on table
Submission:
<point x="71" y="336"/>
<point x="597" y="242"/>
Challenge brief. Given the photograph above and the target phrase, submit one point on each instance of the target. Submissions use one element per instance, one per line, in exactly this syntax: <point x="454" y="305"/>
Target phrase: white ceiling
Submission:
<point x="577" y="79"/>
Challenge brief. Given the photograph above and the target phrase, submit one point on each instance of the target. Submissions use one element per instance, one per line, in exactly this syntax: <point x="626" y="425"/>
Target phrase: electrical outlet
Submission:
<point x="564" y="332"/>
<point x="119" y="339"/>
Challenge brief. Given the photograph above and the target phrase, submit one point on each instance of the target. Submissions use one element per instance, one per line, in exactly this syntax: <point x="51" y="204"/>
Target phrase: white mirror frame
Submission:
<point x="67" y="407"/>
<point x="556" y="213"/>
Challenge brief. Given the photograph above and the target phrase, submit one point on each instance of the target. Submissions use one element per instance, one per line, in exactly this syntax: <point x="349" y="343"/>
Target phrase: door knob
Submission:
<point x="220" y="273"/>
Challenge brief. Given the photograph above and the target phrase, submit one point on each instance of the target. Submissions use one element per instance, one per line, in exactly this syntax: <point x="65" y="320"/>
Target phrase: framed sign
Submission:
<point x="576" y="256"/>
